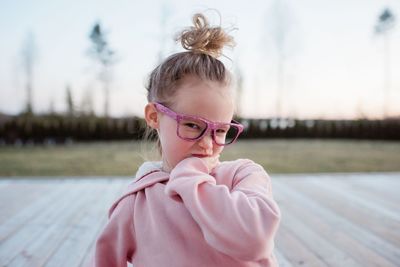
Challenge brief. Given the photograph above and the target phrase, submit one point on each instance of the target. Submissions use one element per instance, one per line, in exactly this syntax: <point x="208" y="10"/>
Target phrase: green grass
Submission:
<point x="304" y="156"/>
<point x="277" y="156"/>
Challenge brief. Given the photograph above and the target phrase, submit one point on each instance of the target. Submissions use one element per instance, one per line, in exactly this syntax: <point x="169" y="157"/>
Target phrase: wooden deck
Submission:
<point x="327" y="220"/>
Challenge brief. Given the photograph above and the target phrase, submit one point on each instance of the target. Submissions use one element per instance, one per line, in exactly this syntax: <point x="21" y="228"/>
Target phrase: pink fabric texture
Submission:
<point x="191" y="218"/>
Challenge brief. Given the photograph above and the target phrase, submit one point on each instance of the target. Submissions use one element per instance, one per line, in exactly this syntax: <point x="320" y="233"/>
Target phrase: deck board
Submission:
<point x="327" y="219"/>
<point x="341" y="242"/>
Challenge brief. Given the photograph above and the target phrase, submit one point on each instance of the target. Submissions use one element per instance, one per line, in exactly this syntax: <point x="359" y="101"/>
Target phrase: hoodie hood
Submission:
<point x="148" y="174"/>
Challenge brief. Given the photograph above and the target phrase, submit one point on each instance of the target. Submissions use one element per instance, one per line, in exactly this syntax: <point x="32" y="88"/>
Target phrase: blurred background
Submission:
<point x="313" y="77"/>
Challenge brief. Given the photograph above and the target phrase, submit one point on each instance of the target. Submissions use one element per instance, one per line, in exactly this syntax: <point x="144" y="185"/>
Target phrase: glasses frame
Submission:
<point x="210" y="125"/>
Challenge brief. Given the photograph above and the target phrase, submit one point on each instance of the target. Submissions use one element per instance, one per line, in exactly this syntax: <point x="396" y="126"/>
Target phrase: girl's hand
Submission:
<point x="211" y="162"/>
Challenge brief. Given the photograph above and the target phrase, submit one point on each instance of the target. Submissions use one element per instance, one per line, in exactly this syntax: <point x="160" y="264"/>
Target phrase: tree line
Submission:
<point x="64" y="129"/>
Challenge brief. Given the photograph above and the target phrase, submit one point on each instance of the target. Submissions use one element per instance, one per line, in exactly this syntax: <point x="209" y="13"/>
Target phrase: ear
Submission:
<point x="151" y="116"/>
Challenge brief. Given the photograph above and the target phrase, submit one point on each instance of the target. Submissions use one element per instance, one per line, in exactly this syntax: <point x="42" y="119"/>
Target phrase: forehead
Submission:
<point x="207" y="99"/>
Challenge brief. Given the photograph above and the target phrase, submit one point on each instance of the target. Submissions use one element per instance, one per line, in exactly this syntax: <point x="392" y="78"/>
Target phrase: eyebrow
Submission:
<point x="193" y="116"/>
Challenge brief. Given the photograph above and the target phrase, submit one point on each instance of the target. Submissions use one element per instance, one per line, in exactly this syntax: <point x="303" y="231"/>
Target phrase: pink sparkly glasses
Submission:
<point x="193" y="128"/>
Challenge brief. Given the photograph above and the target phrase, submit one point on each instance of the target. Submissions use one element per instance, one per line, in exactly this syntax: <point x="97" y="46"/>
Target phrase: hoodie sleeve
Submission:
<point x="116" y="244"/>
<point x="242" y="222"/>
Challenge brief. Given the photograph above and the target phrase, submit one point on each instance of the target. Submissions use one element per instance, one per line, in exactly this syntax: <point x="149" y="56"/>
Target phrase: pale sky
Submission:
<point x="333" y="66"/>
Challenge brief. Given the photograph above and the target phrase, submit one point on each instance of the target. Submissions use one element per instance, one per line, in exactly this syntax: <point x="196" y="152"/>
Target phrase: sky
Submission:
<point x="332" y="64"/>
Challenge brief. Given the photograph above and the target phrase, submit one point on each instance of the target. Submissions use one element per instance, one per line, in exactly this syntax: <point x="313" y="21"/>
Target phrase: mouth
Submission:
<point x="200" y="155"/>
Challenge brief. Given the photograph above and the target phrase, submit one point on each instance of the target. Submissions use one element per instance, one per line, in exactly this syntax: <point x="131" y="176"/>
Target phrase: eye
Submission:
<point x="222" y="131"/>
<point x="192" y="125"/>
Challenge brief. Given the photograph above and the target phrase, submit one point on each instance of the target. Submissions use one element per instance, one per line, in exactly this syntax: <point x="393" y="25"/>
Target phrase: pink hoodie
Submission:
<point x="191" y="218"/>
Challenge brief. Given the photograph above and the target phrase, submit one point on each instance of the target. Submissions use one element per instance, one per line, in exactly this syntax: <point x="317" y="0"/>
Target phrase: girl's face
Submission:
<point x="206" y="99"/>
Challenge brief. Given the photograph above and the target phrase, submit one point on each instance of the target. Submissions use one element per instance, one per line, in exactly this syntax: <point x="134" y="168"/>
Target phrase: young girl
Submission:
<point x="190" y="209"/>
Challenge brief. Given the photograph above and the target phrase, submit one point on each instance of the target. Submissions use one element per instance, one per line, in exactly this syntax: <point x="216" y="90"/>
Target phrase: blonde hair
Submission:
<point x="204" y="44"/>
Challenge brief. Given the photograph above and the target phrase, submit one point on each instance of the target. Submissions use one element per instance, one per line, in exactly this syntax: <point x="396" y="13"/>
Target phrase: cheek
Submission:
<point x="166" y="131"/>
<point x="172" y="145"/>
<point x="218" y="149"/>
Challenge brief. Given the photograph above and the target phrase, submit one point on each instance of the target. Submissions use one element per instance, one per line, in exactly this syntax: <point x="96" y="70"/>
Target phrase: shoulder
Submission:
<point x="241" y="170"/>
<point x="242" y="166"/>
<point x="123" y="206"/>
<point x="146" y="179"/>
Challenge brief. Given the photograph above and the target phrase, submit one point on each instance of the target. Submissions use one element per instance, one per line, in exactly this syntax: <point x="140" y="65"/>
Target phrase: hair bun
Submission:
<point x="202" y="38"/>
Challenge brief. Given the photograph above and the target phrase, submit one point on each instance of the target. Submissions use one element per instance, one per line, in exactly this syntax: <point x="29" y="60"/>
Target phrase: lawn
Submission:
<point x="277" y="156"/>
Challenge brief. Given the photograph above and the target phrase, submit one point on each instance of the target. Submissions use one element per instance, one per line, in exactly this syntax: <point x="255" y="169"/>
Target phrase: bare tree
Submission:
<point x="69" y="102"/>
<point x="105" y="57"/>
<point x="385" y="24"/>
<point x="52" y="110"/>
<point x="279" y="25"/>
<point x="29" y="56"/>
<point x="86" y="105"/>
<point x="239" y="89"/>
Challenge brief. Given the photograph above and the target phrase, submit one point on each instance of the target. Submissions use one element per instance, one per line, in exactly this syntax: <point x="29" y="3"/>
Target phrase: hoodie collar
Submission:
<point x="147" y="168"/>
<point x="148" y="174"/>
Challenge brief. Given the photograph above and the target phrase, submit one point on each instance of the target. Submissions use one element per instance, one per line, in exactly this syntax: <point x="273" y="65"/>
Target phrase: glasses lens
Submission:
<point x="226" y="134"/>
<point x="191" y="128"/>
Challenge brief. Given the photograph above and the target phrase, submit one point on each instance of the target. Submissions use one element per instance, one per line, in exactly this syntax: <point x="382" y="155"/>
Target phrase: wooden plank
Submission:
<point x="103" y="214"/>
<point x="313" y="240"/>
<point x="27" y="193"/>
<point x="282" y="261"/>
<point x="362" y="254"/>
<point x="364" y="212"/>
<point x="37" y="252"/>
<point x="384" y="187"/>
<point x="295" y="251"/>
<point x="80" y="238"/>
<point x="322" y="214"/>
<point x="39" y="226"/>
<point x="27" y="215"/>
<point x="364" y="236"/>
<point x="380" y="199"/>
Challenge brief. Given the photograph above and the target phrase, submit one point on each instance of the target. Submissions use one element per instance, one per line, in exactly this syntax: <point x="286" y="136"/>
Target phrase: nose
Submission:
<point x="206" y="142"/>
